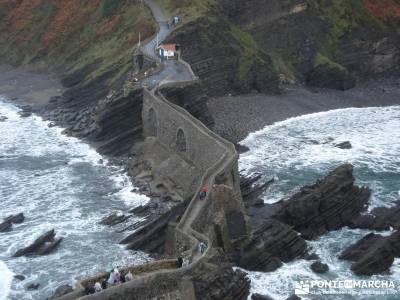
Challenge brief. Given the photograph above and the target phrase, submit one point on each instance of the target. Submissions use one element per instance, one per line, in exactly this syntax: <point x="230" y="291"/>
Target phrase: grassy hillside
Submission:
<point x="71" y="35"/>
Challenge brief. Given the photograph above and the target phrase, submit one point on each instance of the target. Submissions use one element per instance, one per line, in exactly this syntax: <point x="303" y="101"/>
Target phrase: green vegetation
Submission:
<point x="323" y="60"/>
<point x="71" y="38"/>
<point x="109" y="8"/>
<point x="280" y="66"/>
<point x="248" y="52"/>
<point x="188" y="9"/>
<point x="342" y="17"/>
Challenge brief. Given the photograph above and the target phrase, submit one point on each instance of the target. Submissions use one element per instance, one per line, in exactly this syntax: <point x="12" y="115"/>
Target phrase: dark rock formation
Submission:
<point x="33" y="286"/>
<point x="312" y="256"/>
<point x="294" y="297"/>
<point x="319" y="267"/>
<point x="118" y="123"/>
<point x="380" y="218"/>
<point x="19" y="277"/>
<point x="251" y="189"/>
<point x="3" y="118"/>
<point x="61" y="291"/>
<point x="373" y="254"/>
<point x="344" y="145"/>
<point x="272" y="243"/>
<point x="260" y="297"/>
<point x="41" y="246"/>
<point x="152" y="235"/>
<point x="192" y="97"/>
<point x="327" y="205"/>
<point x="15" y="219"/>
<point x="113" y="219"/>
<point x="217" y="54"/>
<point x="6" y="225"/>
<point x="331" y="76"/>
<point x="221" y="283"/>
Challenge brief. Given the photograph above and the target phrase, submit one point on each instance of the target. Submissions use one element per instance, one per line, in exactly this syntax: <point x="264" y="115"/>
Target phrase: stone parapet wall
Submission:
<point x="170" y="126"/>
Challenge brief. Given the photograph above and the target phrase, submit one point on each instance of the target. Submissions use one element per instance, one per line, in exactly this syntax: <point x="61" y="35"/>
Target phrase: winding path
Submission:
<point x="174" y="71"/>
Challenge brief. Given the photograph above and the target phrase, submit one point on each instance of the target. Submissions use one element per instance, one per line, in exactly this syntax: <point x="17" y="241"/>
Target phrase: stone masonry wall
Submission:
<point x="180" y="135"/>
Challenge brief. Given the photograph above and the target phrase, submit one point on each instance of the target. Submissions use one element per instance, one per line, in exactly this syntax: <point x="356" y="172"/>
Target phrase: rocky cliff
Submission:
<point x="321" y="43"/>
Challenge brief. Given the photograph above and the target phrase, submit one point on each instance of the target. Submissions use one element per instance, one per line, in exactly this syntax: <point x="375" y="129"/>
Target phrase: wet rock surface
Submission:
<point x="327" y="205"/>
<point x="319" y="267"/>
<point x="373" y="254"/>
<point x="13" y="219"/>
<point x="260" y="297"/>
<point x="344" y="145"/>
<point x="44" y="244"/>
<point x="61" y="291"/>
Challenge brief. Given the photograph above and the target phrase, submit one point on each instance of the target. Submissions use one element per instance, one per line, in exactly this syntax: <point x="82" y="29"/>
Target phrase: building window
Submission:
<point x="181" y="141"/>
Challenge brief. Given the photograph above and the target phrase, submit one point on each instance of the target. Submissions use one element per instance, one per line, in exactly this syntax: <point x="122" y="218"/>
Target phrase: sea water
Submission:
<point x="57" y="182"/>
<point x="301" y="150"/>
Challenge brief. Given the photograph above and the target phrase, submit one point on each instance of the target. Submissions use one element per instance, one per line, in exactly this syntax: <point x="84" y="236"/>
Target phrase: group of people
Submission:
<point x="113" y="279"/>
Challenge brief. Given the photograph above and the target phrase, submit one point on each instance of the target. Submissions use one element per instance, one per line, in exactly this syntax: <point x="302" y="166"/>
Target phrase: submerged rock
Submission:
<point x="33" y="286"/>
<point x="15" y="219"/>
<point x="344" y="145"/>
<point x="19" y="277"/>
<point x="3" y="118"/>
<point x="327" y="205"/>
<point x="6" y="225"/>
<point x="260" y="297"/>
<point x="319" y="267"/>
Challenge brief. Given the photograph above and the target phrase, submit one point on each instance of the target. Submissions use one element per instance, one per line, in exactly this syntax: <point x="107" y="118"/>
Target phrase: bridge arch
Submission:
<point x="181" y="143"/>
<point x="152" y="122"/>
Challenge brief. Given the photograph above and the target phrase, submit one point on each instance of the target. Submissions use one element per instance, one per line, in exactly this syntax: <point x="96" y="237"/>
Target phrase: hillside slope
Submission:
<point x="320" y="42"/>
<point x="88" y="42"/>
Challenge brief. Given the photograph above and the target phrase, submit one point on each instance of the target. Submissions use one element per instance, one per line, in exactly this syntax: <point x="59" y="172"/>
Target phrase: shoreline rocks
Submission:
<point x="327" y="205"/>
<point x="344" y="145"/>
<point x="373" y="254"/>
<point x="44" y="244"/>
<point x="10" y="220"/>
<point x="319" y="267"/>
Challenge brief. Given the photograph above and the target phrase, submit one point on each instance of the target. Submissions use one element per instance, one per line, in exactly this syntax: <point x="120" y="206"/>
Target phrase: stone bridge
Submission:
<point x="187" y="155"/>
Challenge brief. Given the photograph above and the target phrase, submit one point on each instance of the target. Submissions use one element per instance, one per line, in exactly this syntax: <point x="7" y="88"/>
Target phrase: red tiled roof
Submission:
<point x="168" y="47"/>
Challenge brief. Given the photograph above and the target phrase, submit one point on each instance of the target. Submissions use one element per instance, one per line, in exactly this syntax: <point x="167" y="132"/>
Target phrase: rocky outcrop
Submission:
<point x="272" y="243"/>
<point x="192" y="97"/>
<point x="220" y="56"/>
<point x="118" y="122"/>
<point x="44" y="244"/>
<point x="380" y="218"/>
<point x="331" y="76"/>
<point x="319" y="267"/>
<point x="61" y="291"/>
<point x="13" y="219"/>
<point x="327" y="205"/>
<point x="373" y="254"/>
<point x="260" y="297"/>
<point x="344" y="145"/>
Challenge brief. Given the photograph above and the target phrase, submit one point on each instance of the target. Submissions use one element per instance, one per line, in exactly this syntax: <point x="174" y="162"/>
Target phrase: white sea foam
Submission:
<point x="300" y="150"/>
<point x="6" y="277"/>
<point x="61" y="183"/>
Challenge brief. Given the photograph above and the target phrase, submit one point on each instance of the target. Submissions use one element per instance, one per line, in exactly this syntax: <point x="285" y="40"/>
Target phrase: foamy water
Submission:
<point x="57" y="182"/>
<point x="300" y="150"/>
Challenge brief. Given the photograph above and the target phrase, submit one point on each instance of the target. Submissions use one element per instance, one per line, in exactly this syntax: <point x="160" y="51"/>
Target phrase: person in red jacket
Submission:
<point x="203" y="193"/>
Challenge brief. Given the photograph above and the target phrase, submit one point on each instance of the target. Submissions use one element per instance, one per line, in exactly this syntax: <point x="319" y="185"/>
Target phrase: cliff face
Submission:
<point x="237" y="46"/>
<point x="89" y="43"/>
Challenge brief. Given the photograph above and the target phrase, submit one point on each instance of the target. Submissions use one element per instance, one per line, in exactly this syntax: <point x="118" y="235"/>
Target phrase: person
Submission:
<point x="129" y="276"/>
<point x="123" y="278"/>
<point x="180" y="262"/>
<point x="111" y="278"/>
<point x="203" y="193"/>
<point x="89" y="290"/>
<point x="202" y="247"/>
<point x="97" y="287"/>
<point x="185" y="262"/>
<point x="104" y="284"/>
<point x="117" y="277"/>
